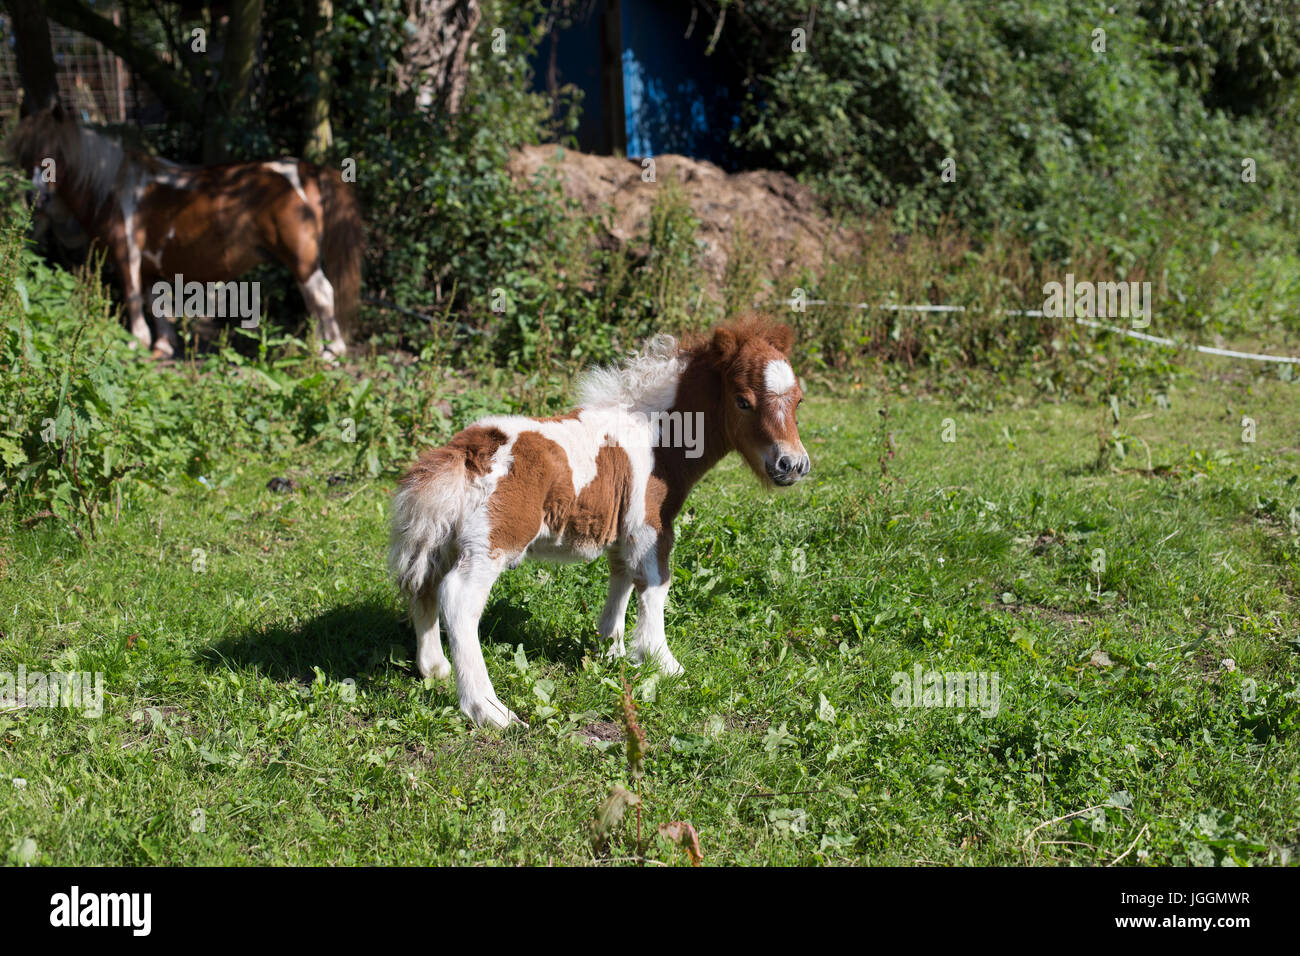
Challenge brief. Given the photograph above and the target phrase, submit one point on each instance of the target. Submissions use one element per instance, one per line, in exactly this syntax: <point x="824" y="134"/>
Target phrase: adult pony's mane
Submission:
<point x="91" y="162"/>
<point x="645" y="381"/>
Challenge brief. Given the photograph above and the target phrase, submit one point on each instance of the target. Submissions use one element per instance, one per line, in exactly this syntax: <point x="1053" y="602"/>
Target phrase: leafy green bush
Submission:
<point x="87" y="423"/>
<point x="1242" y="55"/>
<point x="1123" y="163"/>
<point x="448" y="224"/>
<point x="1052" y="136"/>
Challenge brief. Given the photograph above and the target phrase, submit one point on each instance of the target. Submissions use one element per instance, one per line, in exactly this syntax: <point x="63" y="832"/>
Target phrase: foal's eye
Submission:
<point x="743" y="404"/>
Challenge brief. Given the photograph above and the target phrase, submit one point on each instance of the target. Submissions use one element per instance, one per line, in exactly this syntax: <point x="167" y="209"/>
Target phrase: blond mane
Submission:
<point x="646" y="381"/>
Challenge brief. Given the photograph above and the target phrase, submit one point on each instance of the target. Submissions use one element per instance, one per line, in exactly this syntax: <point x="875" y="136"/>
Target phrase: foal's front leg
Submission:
<point x="649" y="643"/>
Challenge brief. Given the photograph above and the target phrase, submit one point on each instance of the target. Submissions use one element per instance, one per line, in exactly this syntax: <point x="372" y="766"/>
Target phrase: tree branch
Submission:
<point x="176" y="95"/>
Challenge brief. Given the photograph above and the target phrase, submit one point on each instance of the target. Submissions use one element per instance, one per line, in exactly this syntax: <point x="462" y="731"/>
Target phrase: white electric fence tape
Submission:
<point x="1037" y="313"/>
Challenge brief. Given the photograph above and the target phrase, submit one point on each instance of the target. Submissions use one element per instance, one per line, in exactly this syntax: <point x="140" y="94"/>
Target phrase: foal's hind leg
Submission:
<point x="463" y="594"/>
<point x="424" y="615"/>
<point x="613" y="619"/>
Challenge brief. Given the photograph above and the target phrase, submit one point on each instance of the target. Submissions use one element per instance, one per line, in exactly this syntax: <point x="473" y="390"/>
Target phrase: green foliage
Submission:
<point x="86" y="422"/>
<point x="448" y="223"/>
<point x="265" y="707"/>
<point x="1051" y="138"/>
<point x="1242" y="55"/>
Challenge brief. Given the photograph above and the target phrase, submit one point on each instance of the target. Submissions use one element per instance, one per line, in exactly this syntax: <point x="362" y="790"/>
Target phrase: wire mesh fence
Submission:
<point x="92" y="80"/>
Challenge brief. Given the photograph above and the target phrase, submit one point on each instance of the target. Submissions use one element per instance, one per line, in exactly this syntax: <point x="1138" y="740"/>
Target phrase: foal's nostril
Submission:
<point x="805" y="465"/>
<point x="784" y="464"/>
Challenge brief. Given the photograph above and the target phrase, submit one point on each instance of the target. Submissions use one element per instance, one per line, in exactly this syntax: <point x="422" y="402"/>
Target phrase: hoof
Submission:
<point x="663" y="661"/>
<point x="670" y="667"/>
<point x="435" y="670"/>
<point x="491" y="713"/>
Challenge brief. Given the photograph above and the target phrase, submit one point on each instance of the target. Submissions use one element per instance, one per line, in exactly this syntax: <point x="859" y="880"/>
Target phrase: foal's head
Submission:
<point x="759" y="396"/>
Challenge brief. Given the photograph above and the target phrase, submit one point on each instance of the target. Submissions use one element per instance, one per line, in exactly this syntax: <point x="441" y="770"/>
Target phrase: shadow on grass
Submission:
<point x="505" y="621"/>
<point x="368" y="638"/>
<point x="354" y="641"/>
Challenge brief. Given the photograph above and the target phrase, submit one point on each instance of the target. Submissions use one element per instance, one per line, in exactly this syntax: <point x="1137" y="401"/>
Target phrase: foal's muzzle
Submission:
<point x="788" y="468"/>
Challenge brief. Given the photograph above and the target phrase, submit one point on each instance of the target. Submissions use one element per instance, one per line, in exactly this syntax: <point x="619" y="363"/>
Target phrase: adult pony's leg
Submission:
<point x="613" y="619"/>
<point x="463" y="594"/>
<point x="134" y="295"/>
<point x="319" y="296"/>
<point x="324" y="251"/>
<point x="126" y="251"/>
<point x="140" y="326"/>
<point x="165" y="340"/>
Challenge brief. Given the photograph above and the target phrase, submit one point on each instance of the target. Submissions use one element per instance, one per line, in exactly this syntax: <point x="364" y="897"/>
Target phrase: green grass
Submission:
<point x="275" y="691"/>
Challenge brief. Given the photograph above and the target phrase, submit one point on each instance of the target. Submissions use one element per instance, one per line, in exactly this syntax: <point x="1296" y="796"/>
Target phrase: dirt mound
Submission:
<point x="783" y="222"/>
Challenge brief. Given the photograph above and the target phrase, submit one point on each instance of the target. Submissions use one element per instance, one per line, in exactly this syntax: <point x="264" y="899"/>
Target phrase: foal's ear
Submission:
<point x="781" y="338"/>
<point x="725" y="345"/>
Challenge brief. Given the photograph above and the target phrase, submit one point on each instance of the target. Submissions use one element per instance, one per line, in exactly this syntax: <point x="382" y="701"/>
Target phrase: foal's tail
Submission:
<point x="342" y="246"/>
<point x="431" y="506"/>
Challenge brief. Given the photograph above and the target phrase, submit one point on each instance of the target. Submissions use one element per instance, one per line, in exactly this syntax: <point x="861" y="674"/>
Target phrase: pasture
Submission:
<point x="1139" y="613"/>
<point x="1036" y="604"/>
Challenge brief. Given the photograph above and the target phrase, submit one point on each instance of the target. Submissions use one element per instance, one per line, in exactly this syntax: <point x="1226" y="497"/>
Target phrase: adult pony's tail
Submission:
<point x="342" y="246"/>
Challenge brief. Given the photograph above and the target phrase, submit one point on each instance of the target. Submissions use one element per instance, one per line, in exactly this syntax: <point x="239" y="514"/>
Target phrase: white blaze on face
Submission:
<point x="779" y="379"/>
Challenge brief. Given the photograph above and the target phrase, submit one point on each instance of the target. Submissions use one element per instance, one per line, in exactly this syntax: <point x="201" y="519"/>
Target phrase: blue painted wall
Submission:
<point x="577" y="60"/>
<point x="675" y="99"/>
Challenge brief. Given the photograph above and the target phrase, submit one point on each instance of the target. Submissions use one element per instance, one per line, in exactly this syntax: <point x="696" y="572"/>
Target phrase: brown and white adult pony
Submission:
<point x="608" y="478"/>
<point x="206" y="224"/>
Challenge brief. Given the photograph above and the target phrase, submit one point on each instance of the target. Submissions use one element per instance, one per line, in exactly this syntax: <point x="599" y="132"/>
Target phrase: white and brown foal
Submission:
<point x="607" y="478"/>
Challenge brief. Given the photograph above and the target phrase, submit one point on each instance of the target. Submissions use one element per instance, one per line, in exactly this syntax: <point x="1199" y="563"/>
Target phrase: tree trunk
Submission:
<point x="34" y="54"/>
<point x="319" y="135"/>
<point x="435" y="60"/>
<point x="243" y="30"/>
